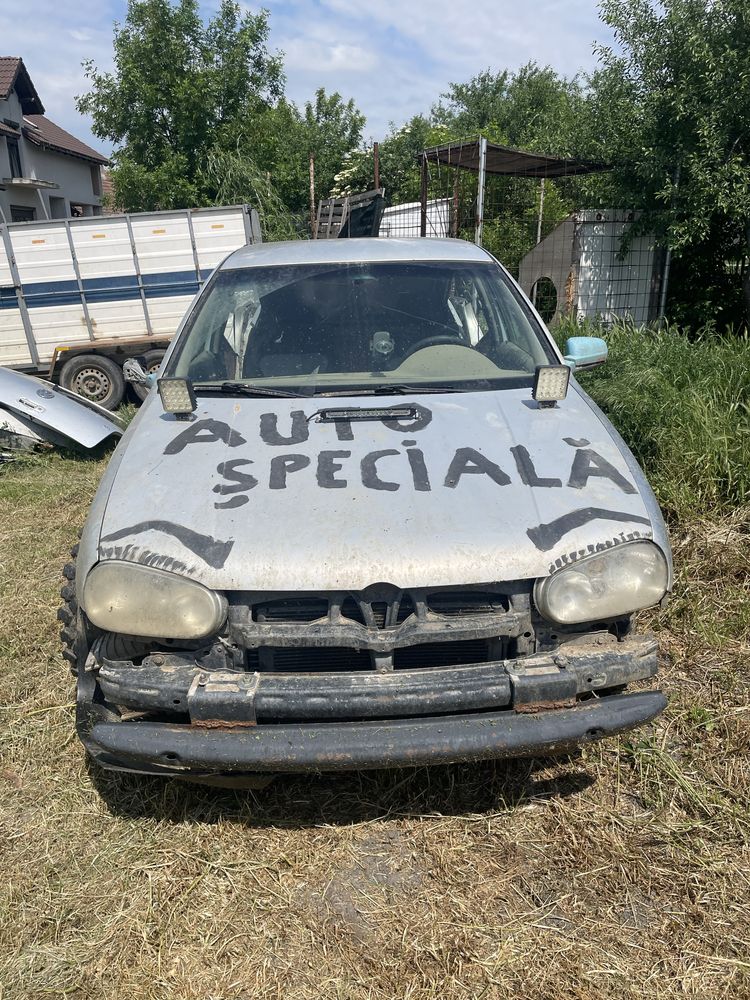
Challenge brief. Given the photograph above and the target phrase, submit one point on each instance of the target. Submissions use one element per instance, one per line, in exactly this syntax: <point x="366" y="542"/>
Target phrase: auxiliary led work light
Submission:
<point x="550" y="384"/>
<point x="177" y="396"/>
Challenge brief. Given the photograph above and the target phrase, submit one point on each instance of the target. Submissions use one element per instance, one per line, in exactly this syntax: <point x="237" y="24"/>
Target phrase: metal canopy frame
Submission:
<point x="468" y="154"/>
<point x="482" y="157"/>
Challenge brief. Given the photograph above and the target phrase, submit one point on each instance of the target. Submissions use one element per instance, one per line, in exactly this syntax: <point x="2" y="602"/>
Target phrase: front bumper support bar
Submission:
<point x="174" y="683"/>
<point x="340" y="746"/>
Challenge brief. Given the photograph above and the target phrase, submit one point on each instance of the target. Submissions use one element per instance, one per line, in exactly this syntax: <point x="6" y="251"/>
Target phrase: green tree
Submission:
<point x="670" y="109"/>
<point x="180" y="89"/>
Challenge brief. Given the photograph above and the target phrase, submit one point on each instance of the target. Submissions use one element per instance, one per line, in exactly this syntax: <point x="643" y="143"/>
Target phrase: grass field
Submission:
<point x="623" y="872"/>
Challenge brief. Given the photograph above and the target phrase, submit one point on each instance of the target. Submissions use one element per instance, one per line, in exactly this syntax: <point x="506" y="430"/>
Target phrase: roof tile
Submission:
<point x="8" y="70"/>
<point x="45" y="133"/>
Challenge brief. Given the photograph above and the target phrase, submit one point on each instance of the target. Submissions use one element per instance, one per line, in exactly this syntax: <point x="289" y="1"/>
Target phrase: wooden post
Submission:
<point x="423" y="197"/>
<point x="376" y="164"/>
<point x="313" y="216"/>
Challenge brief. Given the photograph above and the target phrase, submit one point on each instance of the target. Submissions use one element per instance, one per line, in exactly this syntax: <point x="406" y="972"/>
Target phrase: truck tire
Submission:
<point x="67" y="613"/>
<point x="94" y="377"/>
<point x="151" y="362"/>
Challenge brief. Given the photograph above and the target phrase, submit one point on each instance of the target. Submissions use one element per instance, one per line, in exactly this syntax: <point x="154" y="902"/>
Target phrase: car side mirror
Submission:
<point x="134" y="372"/>
<point x="585" y="352"/>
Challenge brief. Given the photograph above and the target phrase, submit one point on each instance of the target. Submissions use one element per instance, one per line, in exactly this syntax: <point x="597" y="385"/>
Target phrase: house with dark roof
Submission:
<point x="45" y="172"/>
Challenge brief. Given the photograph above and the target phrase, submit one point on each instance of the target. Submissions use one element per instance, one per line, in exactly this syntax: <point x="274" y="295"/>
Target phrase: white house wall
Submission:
<point x="73" y="175"/>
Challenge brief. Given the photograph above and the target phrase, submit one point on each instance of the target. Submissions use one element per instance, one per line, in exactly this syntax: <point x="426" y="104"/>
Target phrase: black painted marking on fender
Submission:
<point x="204" y="432"/>
<point x="545" y="536"/>
<point x="210" y="550"/>
<point x="590" y="550"/>
<point x="527" y="471"/>
<point x="587" y="463"/>
<point x="577" y="442"/>
<point x="144" y="557"/>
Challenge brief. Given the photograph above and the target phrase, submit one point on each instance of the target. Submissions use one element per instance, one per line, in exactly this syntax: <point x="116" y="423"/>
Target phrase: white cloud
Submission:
<point x="394" y="58"/>
<point x="53" y="37"/>
<point x="416" y="49"/>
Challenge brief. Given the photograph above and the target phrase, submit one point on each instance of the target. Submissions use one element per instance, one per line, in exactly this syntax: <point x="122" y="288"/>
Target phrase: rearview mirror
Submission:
<point x="585" y="352"/>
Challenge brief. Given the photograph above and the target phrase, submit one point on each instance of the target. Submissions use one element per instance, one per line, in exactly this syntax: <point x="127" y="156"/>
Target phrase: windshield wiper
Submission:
<point x="242" y="389"/>
<point x="401" y="389"/>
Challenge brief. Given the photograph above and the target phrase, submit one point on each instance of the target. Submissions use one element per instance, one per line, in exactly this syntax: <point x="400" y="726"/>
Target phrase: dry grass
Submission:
<point x="621" y="873"/>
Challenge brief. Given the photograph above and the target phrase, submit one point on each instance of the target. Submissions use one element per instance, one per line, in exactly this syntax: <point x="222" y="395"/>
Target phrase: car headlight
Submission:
<point x="140" y="600"/>
<point x="615" y="582"/>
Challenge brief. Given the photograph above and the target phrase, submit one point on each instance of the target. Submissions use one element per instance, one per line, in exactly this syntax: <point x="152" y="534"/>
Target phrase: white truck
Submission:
<point x="78" y="297"/>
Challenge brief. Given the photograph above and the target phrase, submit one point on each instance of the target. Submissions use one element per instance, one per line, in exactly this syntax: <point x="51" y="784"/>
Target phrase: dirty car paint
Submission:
<point x="480" y="486"/>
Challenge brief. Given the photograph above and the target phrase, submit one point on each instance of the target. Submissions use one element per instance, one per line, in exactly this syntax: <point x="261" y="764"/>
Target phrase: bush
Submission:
<point x="683" y="405"/>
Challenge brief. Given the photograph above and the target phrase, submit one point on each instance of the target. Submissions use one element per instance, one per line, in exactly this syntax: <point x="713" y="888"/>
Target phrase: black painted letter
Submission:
<point x="243" y="482"/>
<point x="418" y="470"/>
<point x="327" y="466"/>
<point x="589" y="463"/>
<point x="269" y="429"/>
<point x="283" y="464"/>
<point x="370" y="477"/>
<point x="469" y="461"/>
<point x="526" y="470"/>
<point x="204" y="432"/>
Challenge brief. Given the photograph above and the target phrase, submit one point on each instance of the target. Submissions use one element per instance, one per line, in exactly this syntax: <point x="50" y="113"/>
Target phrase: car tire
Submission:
<point x="67" y="613"/>
<point x="97" y="379"/>
<point x="151" y="362"/>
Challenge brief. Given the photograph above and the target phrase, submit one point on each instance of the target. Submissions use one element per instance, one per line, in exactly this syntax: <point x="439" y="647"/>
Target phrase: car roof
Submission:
<point x="354" y="250"/>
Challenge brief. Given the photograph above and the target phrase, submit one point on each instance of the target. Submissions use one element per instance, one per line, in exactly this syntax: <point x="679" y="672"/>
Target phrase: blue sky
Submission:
<point x="394" y="57"/>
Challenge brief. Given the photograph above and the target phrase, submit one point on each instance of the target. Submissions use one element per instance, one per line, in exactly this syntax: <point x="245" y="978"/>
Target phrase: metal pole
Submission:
<point x="480" y="190"/>
<point x="668" y="257"/>
<point x="423" y="197"/>
<point x="376" y="164"/>
<point x="541" y="212"/>
<point x="454" y="217"/>
<point x="313" y="219"/>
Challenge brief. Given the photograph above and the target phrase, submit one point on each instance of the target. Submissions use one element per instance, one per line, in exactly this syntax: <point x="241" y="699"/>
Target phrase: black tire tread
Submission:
<point x="67" y="613"/>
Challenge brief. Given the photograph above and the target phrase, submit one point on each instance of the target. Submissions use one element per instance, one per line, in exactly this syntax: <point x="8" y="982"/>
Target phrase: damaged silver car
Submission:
<point x="368" y="519"/>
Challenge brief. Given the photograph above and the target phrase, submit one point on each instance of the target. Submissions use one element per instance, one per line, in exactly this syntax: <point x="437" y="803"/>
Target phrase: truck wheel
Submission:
<point x="151" y="362"/>
<point x="67" y="614"/>
<point x="95" y="378"/>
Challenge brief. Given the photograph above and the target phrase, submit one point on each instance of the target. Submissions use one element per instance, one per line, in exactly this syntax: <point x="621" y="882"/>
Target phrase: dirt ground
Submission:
<point x="623" y="872"/>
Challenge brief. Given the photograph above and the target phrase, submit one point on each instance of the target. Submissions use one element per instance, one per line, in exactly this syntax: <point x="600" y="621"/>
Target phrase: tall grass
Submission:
<point x="683" y="405"/>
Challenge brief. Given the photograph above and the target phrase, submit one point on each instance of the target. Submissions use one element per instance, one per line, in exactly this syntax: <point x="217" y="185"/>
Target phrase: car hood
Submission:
<point x="264" y="495"/>
<point x="56" y="414"/>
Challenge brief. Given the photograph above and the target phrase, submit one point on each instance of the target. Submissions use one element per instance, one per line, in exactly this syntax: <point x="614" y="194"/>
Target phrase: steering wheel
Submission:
<point x="434" y="341"/>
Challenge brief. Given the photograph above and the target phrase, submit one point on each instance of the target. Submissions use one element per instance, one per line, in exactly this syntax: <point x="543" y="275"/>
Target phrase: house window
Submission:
<point x="57" y="208"/>
<point x="19" y="213"/>
<point x="14" y="155"/>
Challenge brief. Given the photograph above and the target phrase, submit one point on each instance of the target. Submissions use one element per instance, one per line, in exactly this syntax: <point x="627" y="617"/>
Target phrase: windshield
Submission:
<point x="364" y="326"/>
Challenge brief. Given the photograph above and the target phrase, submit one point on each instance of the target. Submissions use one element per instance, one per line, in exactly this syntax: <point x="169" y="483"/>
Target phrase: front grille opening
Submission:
<point x="291" y="609"/>
<point x="454" y="603"/>
<point x="305" y="660"/>
<point x="442" y="654"/>
<point x="350" y="609"/>
<point x="382" y="611"/>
